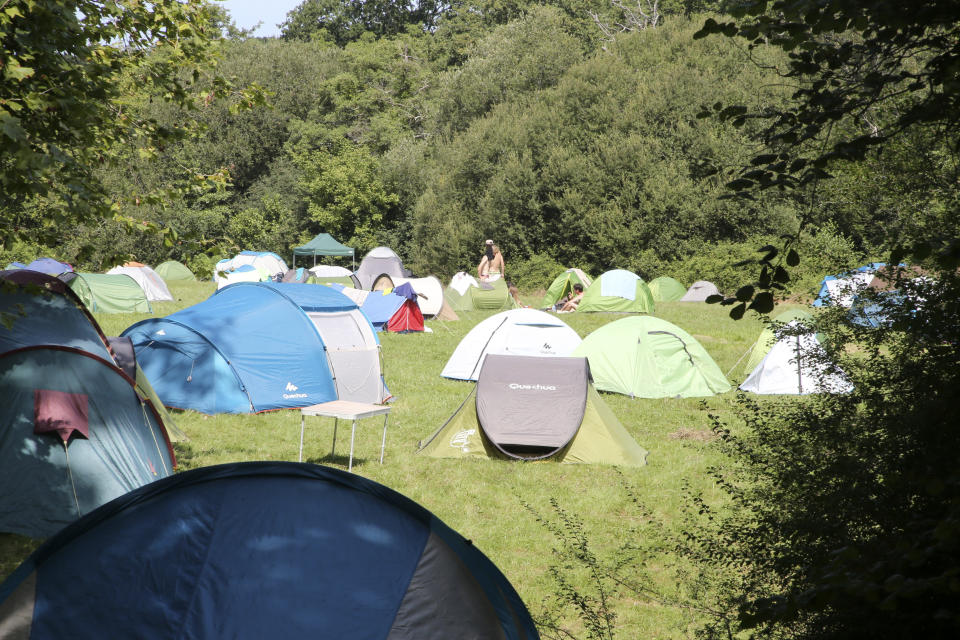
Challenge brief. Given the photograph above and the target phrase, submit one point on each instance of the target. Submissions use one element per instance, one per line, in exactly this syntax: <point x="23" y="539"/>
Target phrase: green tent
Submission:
<point x="646" y="357"/>
<point x="323" y="244"/>
<point x="767" y="337"/>
<point x="173" y="270"/>
<point x="108" y="293"/>
<point x="533" y="408"/>
<point x="618" y="290"/>
<point x="489" y="296"/>
<point x="666" y="289"/>
<point x="562" y="285"/>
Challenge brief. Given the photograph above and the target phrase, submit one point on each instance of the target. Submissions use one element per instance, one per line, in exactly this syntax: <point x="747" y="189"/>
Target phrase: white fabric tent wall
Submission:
<point x="252" y="275"/>
<point x="353" y="354"/>
<point x="518" y="332"/>
<point x="152" y="284"/>
<point x="794" y="366"/>
<point x="329" y="271"/>
<point x="842" y="291"/>
<point x="429" y="293"/>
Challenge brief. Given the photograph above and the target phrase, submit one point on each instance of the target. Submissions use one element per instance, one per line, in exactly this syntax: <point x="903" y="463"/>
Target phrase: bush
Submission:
<point x="536" y="272"/>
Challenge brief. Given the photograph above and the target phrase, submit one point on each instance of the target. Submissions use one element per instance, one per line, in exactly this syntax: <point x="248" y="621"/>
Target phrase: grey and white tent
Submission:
<point x="518" y="332"/>
<point x="796" y="365"/>
<point x="699" y="291"/>
<point x="528" y="408"/>
<point x="379" y="261"/>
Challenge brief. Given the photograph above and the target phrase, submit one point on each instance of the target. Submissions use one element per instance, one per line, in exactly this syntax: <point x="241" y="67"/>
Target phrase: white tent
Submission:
<point x="329" y="271"/>
<point x="246" y="273"/>
<point x="266" y="263"/>
<point x="699" y="291"/>
<point x="429" y="291"/>
<point x="842" y="291"/>
<point x="795" y="365"/>
<point x="152" y="284"/>
<point x="518" y="332"/>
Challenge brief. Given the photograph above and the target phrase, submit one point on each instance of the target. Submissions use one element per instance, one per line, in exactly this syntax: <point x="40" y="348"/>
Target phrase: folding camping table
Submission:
<point x="346" y="410"/>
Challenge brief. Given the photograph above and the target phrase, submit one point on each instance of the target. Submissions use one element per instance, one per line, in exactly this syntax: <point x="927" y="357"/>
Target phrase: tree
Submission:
<point x="865" y="73"/>
<point x="67" y="66"/>
<point x="344" y="21"/>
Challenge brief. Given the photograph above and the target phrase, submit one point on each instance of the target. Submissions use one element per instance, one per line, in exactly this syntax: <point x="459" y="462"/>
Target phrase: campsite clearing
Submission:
<point x="484" y="499"/>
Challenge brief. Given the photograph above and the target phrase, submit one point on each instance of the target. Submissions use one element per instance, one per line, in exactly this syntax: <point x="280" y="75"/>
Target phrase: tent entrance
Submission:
<point x="529" y="409"/>
<point x="355" y="360"/>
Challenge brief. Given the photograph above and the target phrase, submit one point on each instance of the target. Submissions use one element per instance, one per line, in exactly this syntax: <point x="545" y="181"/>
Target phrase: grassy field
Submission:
<point x="484" y="500"/>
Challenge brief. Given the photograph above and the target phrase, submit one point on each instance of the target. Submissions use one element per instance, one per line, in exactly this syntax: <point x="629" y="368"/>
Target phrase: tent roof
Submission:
<point x="795" y="365"/>
<point x="109" y="292"/>
<point x="173" y="270"/>
<point x="263" y="550"/>
<point x="323" y="244"/>
<point x="666" y="289"/>
<point x="699" y="291"/>
<point x="518" y="332"/>
<point x="618" y="290"/>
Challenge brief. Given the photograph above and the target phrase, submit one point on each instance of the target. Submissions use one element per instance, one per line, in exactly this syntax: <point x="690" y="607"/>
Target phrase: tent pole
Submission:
<point x="76" y="500"/>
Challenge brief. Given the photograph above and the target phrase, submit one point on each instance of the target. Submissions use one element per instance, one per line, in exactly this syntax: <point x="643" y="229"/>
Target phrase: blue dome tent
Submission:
<point x="258" y="346"/>
<point x="261" y="550"/>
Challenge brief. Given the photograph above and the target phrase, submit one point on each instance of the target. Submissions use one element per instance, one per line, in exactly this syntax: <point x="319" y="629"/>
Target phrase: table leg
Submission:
<point x="353" y="432"/>
<point x="334" y="447"/>
<point x="383" y="443"/>
<point x="301" y="438"/>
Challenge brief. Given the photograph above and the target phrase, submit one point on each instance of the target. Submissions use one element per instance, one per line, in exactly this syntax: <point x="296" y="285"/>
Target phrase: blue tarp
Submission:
<point x="379" y="307"/>
<point x="263" y="550"/>
<point x="49" y="266"/>
<point x="620" y="283"/>
<point x="250" y="347"/>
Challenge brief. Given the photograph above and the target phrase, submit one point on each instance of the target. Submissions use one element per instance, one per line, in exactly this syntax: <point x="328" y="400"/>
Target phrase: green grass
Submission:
<point x="484" y="500"/>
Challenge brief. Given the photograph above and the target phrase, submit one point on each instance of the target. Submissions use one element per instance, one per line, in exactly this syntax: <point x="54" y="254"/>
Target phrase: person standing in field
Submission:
<point x="491" y="265"/>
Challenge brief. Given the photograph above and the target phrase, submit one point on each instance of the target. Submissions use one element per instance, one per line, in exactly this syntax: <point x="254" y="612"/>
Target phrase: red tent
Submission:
<point x="408" y="316"/>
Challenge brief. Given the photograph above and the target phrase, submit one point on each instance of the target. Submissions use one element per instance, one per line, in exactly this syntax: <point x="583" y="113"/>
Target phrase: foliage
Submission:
<point x="848" y="504"/>
<point x="867" y="76"/>
<point x="68" y="68"/>
<point x="536" y="272"/>
<point x="344" y="21"/>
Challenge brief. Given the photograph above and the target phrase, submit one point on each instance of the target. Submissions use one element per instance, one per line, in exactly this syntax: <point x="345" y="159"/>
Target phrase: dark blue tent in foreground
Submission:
<point x="261" y="550"/>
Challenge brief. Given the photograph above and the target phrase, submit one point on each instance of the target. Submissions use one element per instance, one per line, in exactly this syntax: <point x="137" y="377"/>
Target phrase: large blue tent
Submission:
<point x="253" y="346"/>
<point x="261" y="550"/>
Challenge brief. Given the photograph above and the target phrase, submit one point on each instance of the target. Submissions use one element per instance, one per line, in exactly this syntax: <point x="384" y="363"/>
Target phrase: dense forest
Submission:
<point x="569" y="131"/>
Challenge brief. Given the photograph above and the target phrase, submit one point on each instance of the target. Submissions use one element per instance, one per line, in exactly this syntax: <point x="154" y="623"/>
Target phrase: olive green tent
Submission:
<point x="666" y="289"/>
<point x="108" y="293"/>
<point x="618" y="290"/>
<point x="532" y="408"/>
<point x="646" y="357"/>
<point x="768" y="337"/>
<point x="485" y="296"/>
<point x="173" y="270"/>
<point x="562" y="285"/>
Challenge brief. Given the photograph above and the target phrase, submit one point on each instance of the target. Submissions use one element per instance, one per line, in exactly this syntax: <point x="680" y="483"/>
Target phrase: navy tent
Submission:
<point x="261" y="550"/>
<point x="257" y="346"/>
<point x="76" y="430"/>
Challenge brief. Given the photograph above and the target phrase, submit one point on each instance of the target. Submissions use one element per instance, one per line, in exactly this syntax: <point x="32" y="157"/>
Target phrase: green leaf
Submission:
<point x="714" y="298"/>
<point x="745" y="293"/>
<point x="737" y="312"/>
<point x="780" y="275"/>
<point x="14" y="71"/>
<point x="793" y="258"/>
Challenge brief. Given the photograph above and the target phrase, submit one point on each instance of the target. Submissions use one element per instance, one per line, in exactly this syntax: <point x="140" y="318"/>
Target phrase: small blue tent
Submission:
<point x="49" y="266"/>
<point x="76" y="431"/>
<point x="261" y="550"/>
<point x="251" y="347"/>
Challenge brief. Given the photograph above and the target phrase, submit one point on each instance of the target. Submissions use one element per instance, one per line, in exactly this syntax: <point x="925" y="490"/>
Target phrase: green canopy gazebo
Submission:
<point x="323" y="245"/>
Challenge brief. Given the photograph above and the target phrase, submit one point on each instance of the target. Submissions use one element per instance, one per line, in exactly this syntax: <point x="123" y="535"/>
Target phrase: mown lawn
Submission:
<point x="485" y="500"/>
